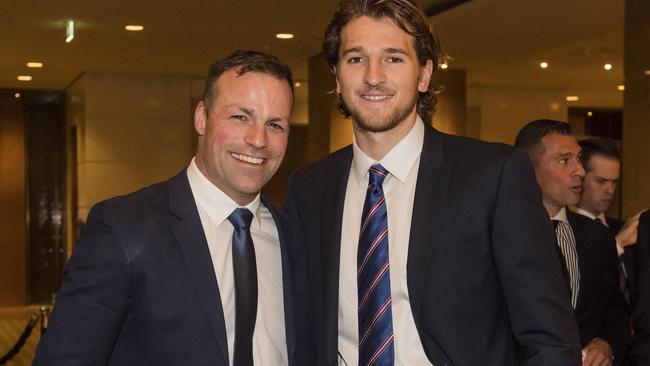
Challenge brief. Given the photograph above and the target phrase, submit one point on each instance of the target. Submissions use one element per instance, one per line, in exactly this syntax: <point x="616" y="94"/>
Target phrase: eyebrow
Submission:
<point x="564" y="155"/>
<point x="389" y="50"/>
<point x="247" y="111"/>
<point x="251" y="113"/>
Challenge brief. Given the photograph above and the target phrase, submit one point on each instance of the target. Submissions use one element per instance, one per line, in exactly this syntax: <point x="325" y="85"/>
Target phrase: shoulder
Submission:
<point x="325" y="168"/>
<point x="474" y="152"/>
<point x="477" y="159"/>
<point x="585" y="227"/>
<point x="139" y="206"/>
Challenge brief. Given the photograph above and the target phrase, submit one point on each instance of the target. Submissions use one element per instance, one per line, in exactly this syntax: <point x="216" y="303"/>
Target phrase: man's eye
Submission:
<point x="239" y="117"/>
<point x="276" y="126"/>
<point x="355" y="60"/>
<point x="394" y="60"/>
<point x="563" y="161"/>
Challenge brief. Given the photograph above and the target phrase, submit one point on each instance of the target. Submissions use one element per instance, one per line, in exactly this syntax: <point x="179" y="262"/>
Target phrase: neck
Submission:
<point x="596" y="214"/>
<point x="552" y="209"/>
<point x="377" y="144"/>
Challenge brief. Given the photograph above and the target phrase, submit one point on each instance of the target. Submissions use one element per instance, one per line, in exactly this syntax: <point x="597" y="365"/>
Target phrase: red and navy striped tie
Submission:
<point x="376" y="346"/>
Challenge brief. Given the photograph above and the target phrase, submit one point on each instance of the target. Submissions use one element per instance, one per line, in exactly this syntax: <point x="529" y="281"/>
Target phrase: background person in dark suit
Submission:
<point x="602" y="163"/>
<point x="464" y="272"/>
<point x="162" y="277"/>
<point x="586" y="248"/>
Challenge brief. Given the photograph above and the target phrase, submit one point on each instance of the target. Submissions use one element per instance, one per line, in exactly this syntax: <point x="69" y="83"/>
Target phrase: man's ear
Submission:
<point x="425" y="76"/>
<point x="336" y="77"/>
<point x="200" y="117"/>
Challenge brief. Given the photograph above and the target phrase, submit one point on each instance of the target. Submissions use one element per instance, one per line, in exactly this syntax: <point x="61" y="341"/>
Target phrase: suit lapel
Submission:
<point x="430" y="193"/>
<point x="287" y="276"/>
<point x="191" y="239"/>
<point x="332" y="203"/>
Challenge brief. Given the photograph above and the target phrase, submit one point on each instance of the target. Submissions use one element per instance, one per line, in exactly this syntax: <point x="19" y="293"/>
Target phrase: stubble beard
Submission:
<point x="374" y="122"/>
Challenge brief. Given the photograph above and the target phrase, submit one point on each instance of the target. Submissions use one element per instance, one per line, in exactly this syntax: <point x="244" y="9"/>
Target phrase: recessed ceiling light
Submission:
<point x="17" y="95"/>
<point x="134" y="27"/>
<point x="444" y="65"/>
<point x="572" y="98"/>
<point x="607" y="67"/>
<point x="297" y="84"/>
<point x="590" y="113"/>
<point x="620" y="87"/>
<point x="284" y="36"/>
<point x="24" y="77"/>
<point x="543" y="64"/>
<point x="35" y="65"/>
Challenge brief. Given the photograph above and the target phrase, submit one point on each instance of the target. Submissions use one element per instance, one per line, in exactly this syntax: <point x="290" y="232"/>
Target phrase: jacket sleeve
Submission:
<point x="94" y="298"/>
<point x="529" y="270"/>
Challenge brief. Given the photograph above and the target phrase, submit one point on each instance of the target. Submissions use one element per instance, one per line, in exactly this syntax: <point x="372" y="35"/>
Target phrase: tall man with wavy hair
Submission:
<point x="424" y="248"/>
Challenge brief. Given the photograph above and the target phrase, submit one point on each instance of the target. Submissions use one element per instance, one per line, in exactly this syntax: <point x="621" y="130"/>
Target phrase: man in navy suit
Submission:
<point x="447" y="260"/>
<point x="200" y="269"/>
<point x="586" y="249"/>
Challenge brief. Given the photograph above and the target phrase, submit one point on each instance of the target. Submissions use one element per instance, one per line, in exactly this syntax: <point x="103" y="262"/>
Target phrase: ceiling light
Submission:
<point x="69" y="31"/>
<point x="620" y="87"/>
<point x="543" y="64"/>
<point x="284" y="36"/>
<point x="35" y="65"/>
<point x="24" y="77"/>
<point x="444" y="65"/>
<point x="607" y="67"/>
<point x="134" y="27"/>
<point x="572" y="98"/>
<point x="17" y="95"/>
<point x="647" y="72"/>
<point x="590" y="113"/>
<point x="297" y="84"/>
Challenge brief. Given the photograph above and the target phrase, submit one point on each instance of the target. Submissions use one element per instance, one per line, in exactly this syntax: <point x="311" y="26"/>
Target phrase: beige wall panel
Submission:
<point x="505" y="110"/>
<point x="131" y="96"/>
<point x="137" y="140"/>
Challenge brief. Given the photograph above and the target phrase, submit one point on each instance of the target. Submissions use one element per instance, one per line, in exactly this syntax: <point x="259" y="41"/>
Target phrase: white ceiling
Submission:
<point x="498" y="42"/>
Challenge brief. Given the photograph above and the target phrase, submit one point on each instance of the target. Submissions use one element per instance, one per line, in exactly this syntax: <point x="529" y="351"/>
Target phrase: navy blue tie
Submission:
<point x="245" y="272"/>
<point x="376" y="343"/>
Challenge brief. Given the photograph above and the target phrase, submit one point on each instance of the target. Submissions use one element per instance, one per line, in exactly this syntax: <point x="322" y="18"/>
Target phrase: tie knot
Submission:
<point x="377" y="175"/>
<point x="241" y="218"/>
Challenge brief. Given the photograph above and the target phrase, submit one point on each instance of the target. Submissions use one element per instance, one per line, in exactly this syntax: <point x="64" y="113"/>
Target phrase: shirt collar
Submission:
<point x="584" y="212"/>
<point x="398" y="161"/>
<point x="561" y="216"/>
<point x="215" y="202"/>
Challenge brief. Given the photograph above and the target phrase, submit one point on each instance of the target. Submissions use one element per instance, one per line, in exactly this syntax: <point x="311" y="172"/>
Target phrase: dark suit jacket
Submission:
<point x="640" y="350"/>
<point x="601" y="310"/>
<point x="140" y="287"/>
<point x="483" y="278"/>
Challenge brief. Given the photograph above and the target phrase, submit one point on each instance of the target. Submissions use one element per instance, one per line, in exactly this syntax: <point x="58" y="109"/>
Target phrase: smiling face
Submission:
<point x="378" y="74"/>
<point x="600" y="184"/>
<point x="243" y="132"/>
<point x="559" y="171"/>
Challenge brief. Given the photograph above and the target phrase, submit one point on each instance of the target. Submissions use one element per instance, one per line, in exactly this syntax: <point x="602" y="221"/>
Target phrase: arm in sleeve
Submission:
<point x="94" y="298"/>
<point x="529" y="269"/>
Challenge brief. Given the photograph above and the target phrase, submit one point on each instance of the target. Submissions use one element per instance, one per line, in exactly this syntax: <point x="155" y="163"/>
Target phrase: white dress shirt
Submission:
<point x="269" y="337"/>
<point x="402" y="163"/>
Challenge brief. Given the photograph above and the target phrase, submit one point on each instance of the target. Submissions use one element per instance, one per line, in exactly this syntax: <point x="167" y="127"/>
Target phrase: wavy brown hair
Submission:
<point x="407" y="15"/>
